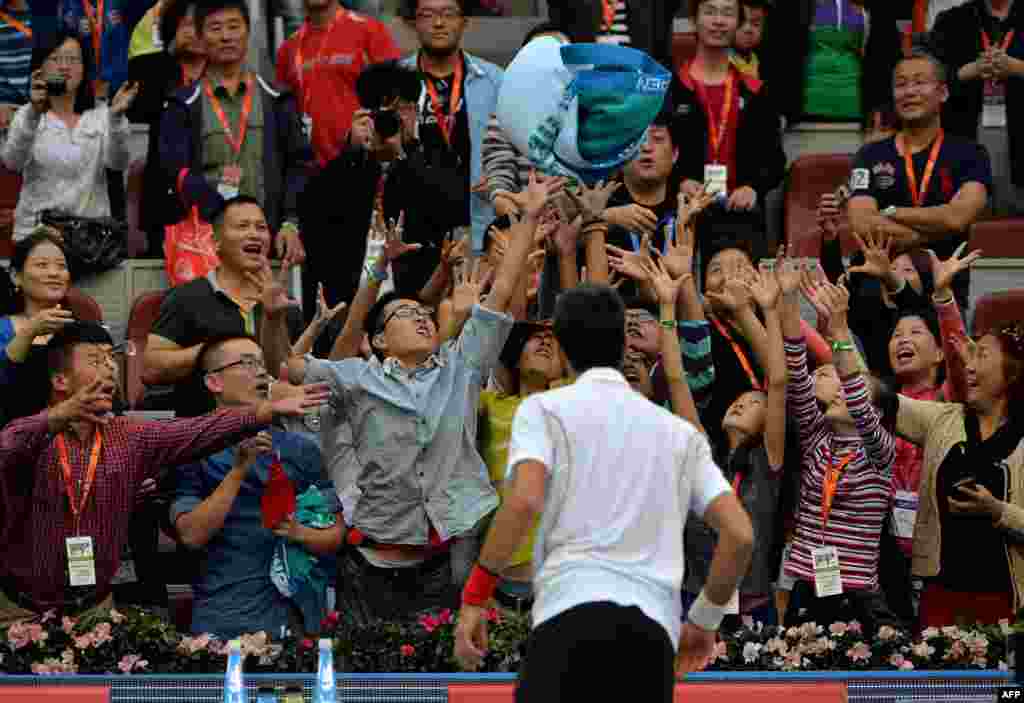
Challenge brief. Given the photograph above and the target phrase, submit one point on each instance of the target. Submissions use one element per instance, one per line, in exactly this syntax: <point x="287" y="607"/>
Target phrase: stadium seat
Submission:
<point x="809" y="178"/>
<point x="1002" y="238"/>
<point x="992" y="309"/>
<point x="10" y="186"/>
<point x="143" y="314"/>
<point x="133" y="201"/>
<point x="83" y="306"/>
<point x="684" y="47"/>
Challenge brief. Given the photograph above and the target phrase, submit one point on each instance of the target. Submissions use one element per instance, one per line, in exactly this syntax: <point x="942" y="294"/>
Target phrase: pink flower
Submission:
<point x="49" y="615"/>
<point x="922" y="650"/>
<point x="956" y="651"/>
<point x="929" y="632"/>
<point x="67" y="624"/>
<point x="838" y="628"/>
<point x="407" y="650"/>
<point x="855" y="627"/>
<point x="886" y="633"/>
<point x="951" y="631"/>
<point x="493" y="615"/>
<point x="897" y="660"/>
<point x="307" y="643"/>
<point x="330" y="620"/>
<point x="127" y="663"/>
<point x="429" y="622"/>
<point x="83" y="642"/>
<point x="36" y="633"/>
<point x="794" y="660"/>
<point x="101" y="634"/>
<point x="445" y="617"/>
<point x="116" y="617"/>
<point x="18" y="635"/>
<point x="191" y="645"/>
<point x="979" y="645"/>
<point x="721" y="651"/>
<point x="859" y="652"/>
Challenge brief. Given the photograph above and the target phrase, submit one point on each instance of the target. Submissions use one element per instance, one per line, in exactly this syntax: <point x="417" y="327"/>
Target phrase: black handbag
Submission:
<point x="93" y="244"/>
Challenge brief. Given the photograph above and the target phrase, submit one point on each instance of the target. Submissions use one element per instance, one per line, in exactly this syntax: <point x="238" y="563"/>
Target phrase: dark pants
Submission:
<point x="869" y="608"/>
<point x="564" y="653"/>
<point x="367" y="593"/>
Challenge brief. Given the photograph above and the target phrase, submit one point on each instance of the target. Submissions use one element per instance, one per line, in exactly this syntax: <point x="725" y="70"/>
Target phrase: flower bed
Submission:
<point x="137" y="642"/>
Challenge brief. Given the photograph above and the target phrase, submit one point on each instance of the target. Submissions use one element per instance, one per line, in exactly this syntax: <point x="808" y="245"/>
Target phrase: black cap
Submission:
<point x="522" y="330"/>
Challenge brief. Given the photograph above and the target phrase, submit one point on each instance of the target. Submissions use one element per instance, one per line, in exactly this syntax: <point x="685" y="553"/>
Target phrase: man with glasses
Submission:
<point x="217" y="510"/>
<point x="412" y="409"/>
<point x="922" y="187"/>
<point x="459" y="93"/>
<point x="69" y="476"/>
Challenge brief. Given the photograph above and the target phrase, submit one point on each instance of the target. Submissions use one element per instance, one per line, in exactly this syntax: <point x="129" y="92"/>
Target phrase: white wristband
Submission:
<point x="705" y="614"/>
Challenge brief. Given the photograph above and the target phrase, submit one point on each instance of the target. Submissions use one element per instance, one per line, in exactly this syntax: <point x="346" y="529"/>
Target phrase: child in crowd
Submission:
<point x="748" y="38"/>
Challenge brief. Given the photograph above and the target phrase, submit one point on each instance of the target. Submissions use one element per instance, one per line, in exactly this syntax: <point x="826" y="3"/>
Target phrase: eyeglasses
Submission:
<point x="249" y="363"/>
<point x="904" y="87"/>
<point x="65" y="60"/>
<point x="407" y="312"/>
<point x="431" y="15"/>
<point x="101" y="358"/>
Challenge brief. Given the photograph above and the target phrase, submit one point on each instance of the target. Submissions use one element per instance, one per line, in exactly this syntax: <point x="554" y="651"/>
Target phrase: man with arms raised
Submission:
<point x="609" y="552"/>
<point x="923" y="187"/>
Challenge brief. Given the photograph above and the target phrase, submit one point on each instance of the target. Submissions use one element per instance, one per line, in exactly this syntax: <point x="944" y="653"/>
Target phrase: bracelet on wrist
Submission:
<point x="942" y="301"/>
<point x="375" y="277"/>
<point x="840" y="345"/>
<point x="479" y="586"/>
<point x="705" y="614"/>
<point x="668" y="324"/>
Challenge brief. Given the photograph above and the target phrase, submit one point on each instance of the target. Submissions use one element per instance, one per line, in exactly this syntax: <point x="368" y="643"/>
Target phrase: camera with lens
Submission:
<point x="56" y="86"/>
<point x="382" y="85"/>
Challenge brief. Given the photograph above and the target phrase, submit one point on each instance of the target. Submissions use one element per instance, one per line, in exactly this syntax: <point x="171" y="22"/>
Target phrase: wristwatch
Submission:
<point x="889" y="211"/>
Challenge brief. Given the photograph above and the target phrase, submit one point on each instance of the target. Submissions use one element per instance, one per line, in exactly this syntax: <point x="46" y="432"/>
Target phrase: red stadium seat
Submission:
<point x="996" y="308"/>
<point x="10" y="187"/>
<point x="144" y="312"/>
<point x="1002" y="238"/>
<point x="83" y="306"/>
<point x="810" y="177"/>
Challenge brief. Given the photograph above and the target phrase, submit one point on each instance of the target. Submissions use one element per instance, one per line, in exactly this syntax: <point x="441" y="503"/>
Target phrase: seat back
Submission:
<point x="84" y="306"/>
<point x="144" y="313"/>
<point x="993" y="309"/>
<point x="10" y="187"/>
<point x="810" y="177"/>
<point x="1002" y="238"/>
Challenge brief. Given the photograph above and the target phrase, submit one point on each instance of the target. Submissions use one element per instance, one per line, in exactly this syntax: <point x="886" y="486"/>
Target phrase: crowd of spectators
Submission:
<point x="349" y="448"/>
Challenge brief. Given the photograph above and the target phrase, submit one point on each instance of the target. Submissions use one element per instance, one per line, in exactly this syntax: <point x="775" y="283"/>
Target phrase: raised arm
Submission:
<point x="951" y="323"/>
<point x="21" y="135"/>
<point x="765" y="292"/>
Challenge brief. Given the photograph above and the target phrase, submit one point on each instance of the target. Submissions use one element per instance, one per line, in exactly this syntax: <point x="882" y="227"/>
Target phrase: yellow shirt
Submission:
<point x="496" y="415"/>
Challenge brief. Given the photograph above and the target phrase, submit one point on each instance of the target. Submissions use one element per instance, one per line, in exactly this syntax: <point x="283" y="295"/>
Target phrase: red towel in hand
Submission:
<point x="278" y="500"/>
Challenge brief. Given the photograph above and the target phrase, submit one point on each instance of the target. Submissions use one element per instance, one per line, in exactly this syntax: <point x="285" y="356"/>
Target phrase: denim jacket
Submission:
<point x="483" y="81"/>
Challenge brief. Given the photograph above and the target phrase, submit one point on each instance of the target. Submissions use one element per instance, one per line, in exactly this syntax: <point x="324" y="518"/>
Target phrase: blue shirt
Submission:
<point x="234" y="594"/>
<point x="15" y="59"/>
<point x="414" y="435"/>
<point x="113" y="64"/>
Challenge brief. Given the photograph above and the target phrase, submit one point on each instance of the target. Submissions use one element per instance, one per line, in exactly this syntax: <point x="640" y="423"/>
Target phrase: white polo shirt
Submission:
<point x="622" y="475"/>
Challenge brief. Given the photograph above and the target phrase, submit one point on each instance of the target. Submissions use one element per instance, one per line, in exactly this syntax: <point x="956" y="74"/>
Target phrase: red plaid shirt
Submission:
<point x="36" y="517"/>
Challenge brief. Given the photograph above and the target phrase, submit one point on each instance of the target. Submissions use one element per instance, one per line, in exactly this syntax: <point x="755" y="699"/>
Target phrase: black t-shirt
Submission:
<point x="456" y="156"/>
<point x="879" y="171"/>
<point x="195" y="312"/>
<point x="630" y="241"/>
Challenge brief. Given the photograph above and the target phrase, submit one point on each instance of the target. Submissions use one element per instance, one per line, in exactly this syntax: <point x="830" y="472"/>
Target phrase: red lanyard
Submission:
<point x="188" y="78"/>
<point x="737" y="481"/>
<point x="317" y="57"/>
<point x="608" y="14"/>
<point x="830" y="482"/>
<point x="716" y="134"/>
<point x="243" y="122"/>
<point x="744" y="362"/>
<point x="986" y="40"/>
<point x="90" y="476"/>
<point x="20" y="26"/>
<point x="95" y="15"/>
<point x="918" y="194"/>
<point x="446" y="122"/>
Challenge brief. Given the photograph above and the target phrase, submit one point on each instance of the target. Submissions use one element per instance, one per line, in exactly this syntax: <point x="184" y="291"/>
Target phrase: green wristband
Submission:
<point x="668" y="324"/>
<point x="838" y="346"/>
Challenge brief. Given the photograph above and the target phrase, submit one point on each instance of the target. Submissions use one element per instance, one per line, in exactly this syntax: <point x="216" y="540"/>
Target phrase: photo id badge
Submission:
<point x="716" y="178"/>
<point x="993" y="114"/>
<point x="904" y="514"/>
<point x="307" y="126"/>
<point x="81" y="561"/>
<point x="827" y="579"/>
<point x="230" y="178"/>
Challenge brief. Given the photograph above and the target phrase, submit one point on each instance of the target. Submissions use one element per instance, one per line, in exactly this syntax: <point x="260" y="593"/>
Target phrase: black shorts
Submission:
<point x="631" y="652"/>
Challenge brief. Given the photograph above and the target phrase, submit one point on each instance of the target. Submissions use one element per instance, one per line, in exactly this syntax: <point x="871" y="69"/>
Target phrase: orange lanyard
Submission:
<point x="918" y="195"/>
<point x="318" y="56"/>
<point x="446" y="122"/>
<point x="716" y="134"/>
<point x="187" y="78"/>
<point x="20" y="26"/>
<point x="243" y="122"/>
<point x="90" y="476"/>
<point x="95" y="15"/>
<point x="608" y="14"/>
<point x="986" y="40"/>
<point x="830" y="483"/>
<point x="744" y="362"/>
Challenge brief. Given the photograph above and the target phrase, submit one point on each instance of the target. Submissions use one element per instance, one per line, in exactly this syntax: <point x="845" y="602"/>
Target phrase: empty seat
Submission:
<point x="810" y="177"/>
<point x="994" y="309"/>
<point x="1002" y="238"/>
<point x="143" y="314"/>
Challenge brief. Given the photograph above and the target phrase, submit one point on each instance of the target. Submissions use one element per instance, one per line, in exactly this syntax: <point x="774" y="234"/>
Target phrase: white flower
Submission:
<point x="751" y="652"/>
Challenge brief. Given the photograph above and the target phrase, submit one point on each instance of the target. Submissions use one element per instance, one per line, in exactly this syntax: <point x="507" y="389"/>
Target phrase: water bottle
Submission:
<point x="234" y="688"/>
<point x="325" y="691"/>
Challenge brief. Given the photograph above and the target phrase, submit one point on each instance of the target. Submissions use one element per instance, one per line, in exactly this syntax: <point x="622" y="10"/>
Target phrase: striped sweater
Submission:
<point x="15" y="57"/>
<point x="864" y="489"/>
<point x="505" y="168"/>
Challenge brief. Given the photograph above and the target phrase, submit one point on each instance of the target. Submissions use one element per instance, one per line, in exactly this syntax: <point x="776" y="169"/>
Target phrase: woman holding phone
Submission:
<point x="62" y="143"/>
<point x="969" y="527"/>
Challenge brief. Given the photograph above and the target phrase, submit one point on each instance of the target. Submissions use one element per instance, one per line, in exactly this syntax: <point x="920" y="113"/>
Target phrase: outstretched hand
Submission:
<point x="943" y="272"/>
<point x="592" y="202"/>
<point x="391" y="233"/>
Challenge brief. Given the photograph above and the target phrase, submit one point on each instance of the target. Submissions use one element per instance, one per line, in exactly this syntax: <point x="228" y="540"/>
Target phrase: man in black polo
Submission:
<point x="922" y="186"/>
<point x="225" y="302"/>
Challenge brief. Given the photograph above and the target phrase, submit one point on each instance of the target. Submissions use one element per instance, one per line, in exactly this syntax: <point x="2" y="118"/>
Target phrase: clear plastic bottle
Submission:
<point x="234" y="686"/>
<point x="325" y="690"/>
